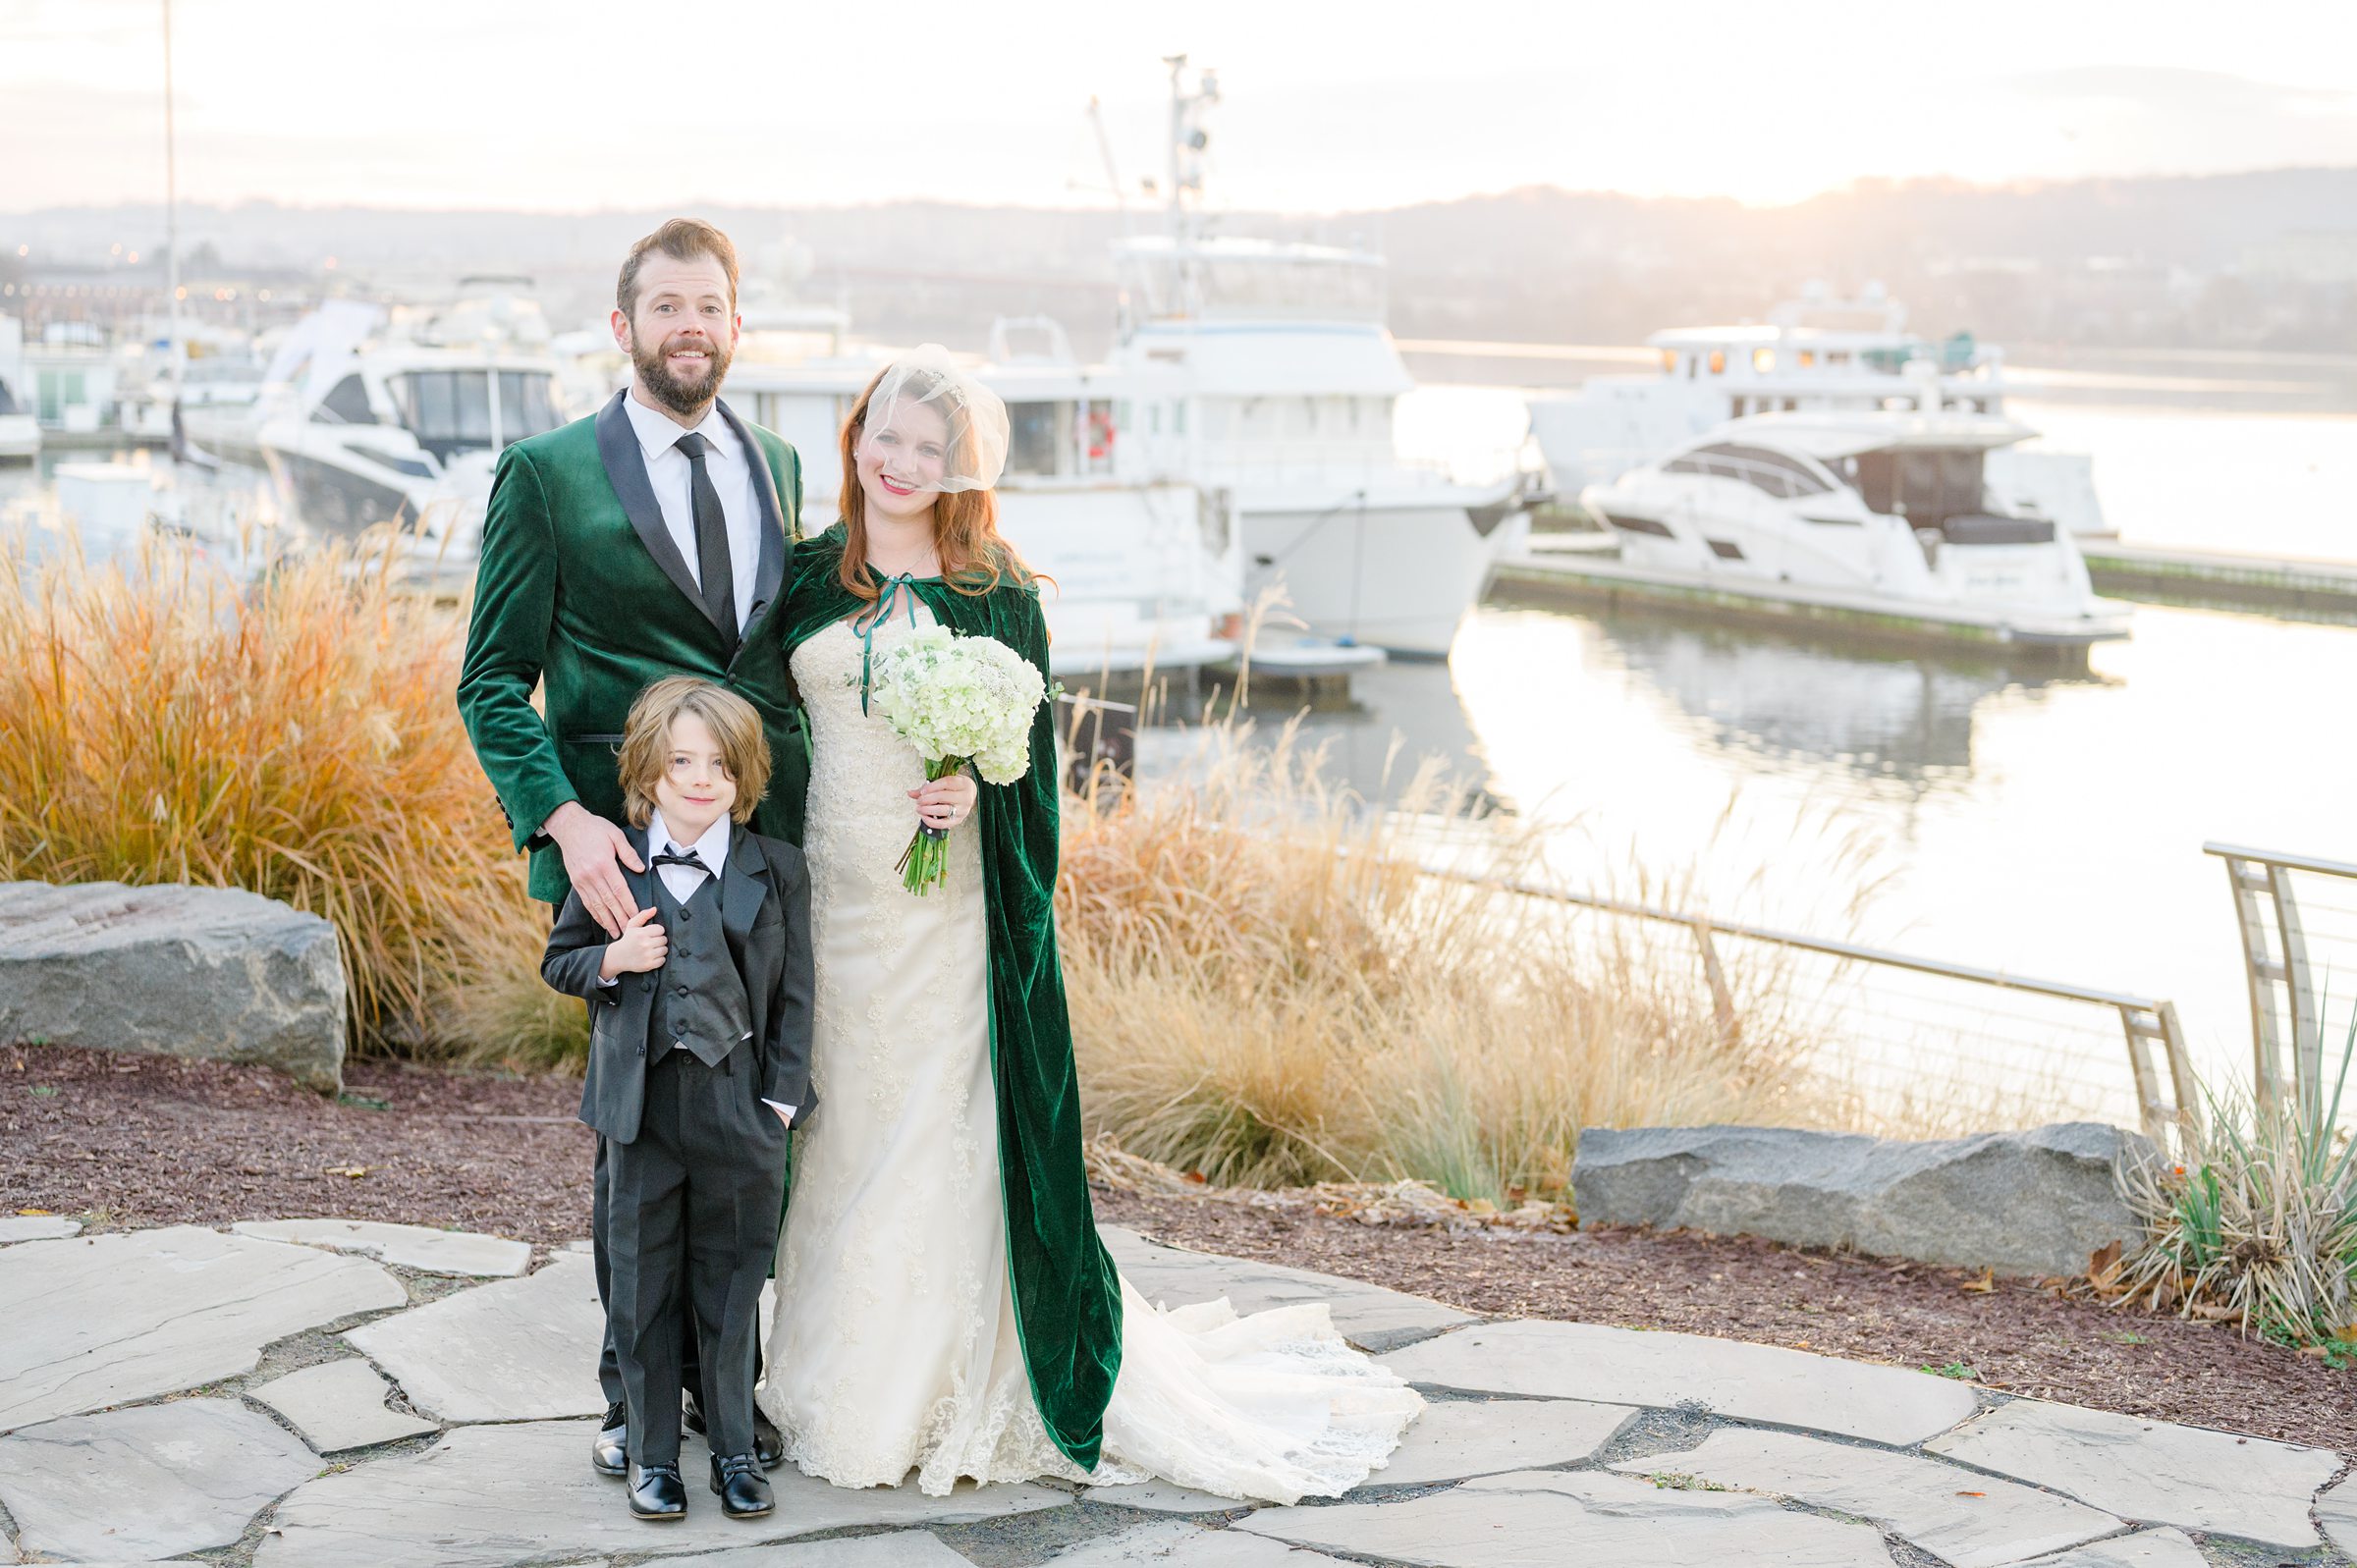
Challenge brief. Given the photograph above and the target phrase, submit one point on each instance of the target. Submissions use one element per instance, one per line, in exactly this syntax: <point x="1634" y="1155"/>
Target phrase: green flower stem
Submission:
<point x="925" y="864"/>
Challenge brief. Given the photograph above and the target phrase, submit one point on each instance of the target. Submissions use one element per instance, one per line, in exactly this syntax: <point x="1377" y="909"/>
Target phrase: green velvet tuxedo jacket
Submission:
<point x="579" y="586"/>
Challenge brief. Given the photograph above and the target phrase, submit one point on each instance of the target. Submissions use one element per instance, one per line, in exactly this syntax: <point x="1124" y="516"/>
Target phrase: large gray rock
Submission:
<point x="176" y="971"/>
<point x="149" y="1481"/>
<point x="2021" y="1202"/>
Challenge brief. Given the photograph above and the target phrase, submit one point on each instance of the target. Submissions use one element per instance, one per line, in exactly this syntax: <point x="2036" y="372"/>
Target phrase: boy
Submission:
<point x="699" y="1062"/>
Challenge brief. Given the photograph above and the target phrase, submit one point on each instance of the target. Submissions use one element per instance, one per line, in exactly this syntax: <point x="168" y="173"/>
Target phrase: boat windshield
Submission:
<point x="1927" y="488"/>
<point x="452" y="410"/>
<point x="1778" y="474"/>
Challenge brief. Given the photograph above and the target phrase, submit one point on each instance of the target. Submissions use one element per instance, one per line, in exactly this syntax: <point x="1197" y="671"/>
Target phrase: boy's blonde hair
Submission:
<point x="646" y="743"/>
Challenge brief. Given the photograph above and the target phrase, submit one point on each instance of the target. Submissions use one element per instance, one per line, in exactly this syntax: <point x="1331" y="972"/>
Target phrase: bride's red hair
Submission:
<point x="974" y="556"/>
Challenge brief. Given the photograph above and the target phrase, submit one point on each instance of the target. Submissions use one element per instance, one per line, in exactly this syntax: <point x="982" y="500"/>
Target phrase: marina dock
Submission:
<point x="2207" y="578"/>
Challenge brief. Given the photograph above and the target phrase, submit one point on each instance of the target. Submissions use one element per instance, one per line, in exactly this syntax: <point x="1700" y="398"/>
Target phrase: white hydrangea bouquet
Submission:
<point x="957" y="700"/>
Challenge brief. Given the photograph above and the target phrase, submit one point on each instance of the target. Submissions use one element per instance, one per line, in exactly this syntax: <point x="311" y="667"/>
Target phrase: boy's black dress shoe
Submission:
<point x="658" y="1492"/>
<point x="743" y="1489"/>
<point x="769" y="1447"/>
<point x="609" y="1451"/>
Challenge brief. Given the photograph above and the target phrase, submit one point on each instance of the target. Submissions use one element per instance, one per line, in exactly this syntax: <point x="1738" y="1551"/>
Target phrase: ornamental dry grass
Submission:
<point x="162" y="722"/>
<point x="1263" y="991"/>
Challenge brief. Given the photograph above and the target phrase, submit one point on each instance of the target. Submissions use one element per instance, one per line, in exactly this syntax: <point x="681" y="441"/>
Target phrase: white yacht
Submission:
<point x="1147" y="566"/>
<point x="1812" y="354"/>
<point x="368" y="415"/>
<point x="1878" y="511"/>
<point x="19" y="431"/>
<point x="1264" y="369"/>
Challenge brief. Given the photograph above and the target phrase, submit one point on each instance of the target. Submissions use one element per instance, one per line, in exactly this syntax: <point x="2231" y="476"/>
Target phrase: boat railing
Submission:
<point x="2295" y="913"/>
<point x="2013" y="1043"/>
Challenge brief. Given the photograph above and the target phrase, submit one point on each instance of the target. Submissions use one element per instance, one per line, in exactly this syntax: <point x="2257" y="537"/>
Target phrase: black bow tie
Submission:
<point x="691" y="858"/>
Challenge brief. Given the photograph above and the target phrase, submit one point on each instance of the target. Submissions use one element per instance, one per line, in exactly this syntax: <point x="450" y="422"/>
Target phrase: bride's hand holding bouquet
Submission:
<point x="960" y="701"/>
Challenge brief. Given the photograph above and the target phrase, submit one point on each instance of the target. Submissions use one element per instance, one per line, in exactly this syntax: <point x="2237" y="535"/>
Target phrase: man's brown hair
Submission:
<point x="646" y="743"/>
<point x="682" y="239"/>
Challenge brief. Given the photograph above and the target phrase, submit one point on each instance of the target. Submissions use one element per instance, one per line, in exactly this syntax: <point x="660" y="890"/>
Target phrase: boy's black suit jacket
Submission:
<point x="765" y="912"/>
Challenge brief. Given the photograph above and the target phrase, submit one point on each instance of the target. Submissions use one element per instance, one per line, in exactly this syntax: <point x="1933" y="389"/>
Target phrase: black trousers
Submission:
<point x="692" y="1220"/>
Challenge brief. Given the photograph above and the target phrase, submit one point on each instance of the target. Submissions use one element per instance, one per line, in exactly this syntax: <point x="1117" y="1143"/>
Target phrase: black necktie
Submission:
<point x="713" y="573"/>
<point x="691" y="858"/>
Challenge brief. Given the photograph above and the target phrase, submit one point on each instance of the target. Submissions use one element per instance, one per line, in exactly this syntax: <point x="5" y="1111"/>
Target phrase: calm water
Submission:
<point x="2045" y="827"/>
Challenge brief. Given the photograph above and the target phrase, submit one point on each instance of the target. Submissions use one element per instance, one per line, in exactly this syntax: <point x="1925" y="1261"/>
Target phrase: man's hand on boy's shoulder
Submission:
<point x="595" y="851"/>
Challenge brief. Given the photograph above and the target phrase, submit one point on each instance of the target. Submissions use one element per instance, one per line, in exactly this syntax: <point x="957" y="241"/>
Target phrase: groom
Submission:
<point x="648" y="540"/>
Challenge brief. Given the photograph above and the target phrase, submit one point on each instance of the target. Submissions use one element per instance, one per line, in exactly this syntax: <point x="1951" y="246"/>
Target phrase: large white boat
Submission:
<point x="1812" y="354"/>
<point x="19" y="431"/>
<point x="368" y="415"/>
<point x="1876" y="512"/>
<point x="1265" y="369"/>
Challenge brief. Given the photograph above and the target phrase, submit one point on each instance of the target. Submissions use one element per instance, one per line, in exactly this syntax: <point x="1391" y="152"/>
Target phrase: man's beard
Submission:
<point x="679" y="397"/>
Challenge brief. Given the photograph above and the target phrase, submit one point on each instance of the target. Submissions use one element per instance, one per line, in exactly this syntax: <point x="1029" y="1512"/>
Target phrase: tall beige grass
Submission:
<point x="1263" y="991"/>
<point x="161" y="723"/>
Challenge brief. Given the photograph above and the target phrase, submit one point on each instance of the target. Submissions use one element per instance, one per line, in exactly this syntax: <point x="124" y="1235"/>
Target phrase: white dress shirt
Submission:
<point x="668" y="473"/>
<point x="683" y="880"/>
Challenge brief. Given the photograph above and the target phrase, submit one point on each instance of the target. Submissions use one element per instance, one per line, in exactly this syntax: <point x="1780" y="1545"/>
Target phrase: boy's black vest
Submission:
<point x="699" y="1001"/>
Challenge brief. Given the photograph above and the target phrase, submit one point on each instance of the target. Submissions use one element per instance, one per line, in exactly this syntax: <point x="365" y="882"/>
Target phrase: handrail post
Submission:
<point x="2307" y="1022"/>
<point x="1722" y="1000"/>
<point x="2191" y="1133"/>
<point x="2245" y="880"/>
<point x="2134" y="1024"/>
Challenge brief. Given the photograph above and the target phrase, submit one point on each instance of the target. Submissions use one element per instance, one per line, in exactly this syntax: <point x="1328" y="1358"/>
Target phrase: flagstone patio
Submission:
<point x="169" y="1394"/>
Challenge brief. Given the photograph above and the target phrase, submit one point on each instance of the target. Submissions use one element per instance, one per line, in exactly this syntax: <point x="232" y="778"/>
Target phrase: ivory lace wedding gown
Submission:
<point x="894" y="1344"/>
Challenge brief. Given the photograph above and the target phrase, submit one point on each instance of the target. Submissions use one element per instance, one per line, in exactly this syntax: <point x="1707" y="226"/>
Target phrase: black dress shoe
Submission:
<point x="658" y="1492"/>
<point x="769" y="1445"/>
<point x="609" y="1454"/>
<point x="743" y="1489"/>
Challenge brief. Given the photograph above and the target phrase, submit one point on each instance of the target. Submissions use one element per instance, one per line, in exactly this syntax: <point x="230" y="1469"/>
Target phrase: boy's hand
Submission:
<point x="638" y="948"/>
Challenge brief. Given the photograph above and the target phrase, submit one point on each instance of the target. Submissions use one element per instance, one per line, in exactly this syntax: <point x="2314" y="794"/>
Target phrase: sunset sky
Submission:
<point x="488" y="103"/>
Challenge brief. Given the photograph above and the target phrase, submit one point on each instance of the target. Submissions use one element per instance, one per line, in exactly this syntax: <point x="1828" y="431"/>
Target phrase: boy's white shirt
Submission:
<point x="683" y="880"/>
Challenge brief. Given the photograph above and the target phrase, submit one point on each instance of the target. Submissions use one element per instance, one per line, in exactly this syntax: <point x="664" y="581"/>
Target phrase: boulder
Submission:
<point x="2021" y="1202"/>
<point x="178" y="971"/>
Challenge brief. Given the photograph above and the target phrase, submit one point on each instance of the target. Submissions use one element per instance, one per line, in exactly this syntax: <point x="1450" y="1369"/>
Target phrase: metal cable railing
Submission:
<point x="2297" y="915"/>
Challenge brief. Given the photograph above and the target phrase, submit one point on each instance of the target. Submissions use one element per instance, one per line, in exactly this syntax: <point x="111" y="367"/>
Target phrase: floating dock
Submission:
<point x="2205" y="577"/>
<point x="1588" y="575"/>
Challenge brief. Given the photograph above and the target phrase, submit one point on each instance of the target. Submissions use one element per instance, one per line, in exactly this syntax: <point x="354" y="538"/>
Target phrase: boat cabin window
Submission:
<point x="347" y="404"/>
<point x="1668" y="361"/>
<point x="1770" y="473"/>
<point x="1763" y="361"/>
<point x="1034" y="432"/>
<point x="1808" y="358"/>
<point x="1717" y="361"/>
<point x="450" y="411"/>
<point x="1927" y="488"/>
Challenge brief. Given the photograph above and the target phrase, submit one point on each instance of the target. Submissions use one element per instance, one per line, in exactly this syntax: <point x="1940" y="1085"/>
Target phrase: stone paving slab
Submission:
<point x="340" y="1405"/>
<point x="1962" y="1518"/>
<point x="2152" y="1471"/>
<point x="148" y="1481"/>
<point x="488" y="1497"/>
<point x="1455" y="1440"/>
<point x="903" y="1548"/>
<point x="513" y="1350"/>
<point x="1368" y="1315"/>
<point x="419" y="1247"/>
<point x="1546" y="1519"/>
<point x="1763" y="1383"/>
<point x="102" y="1321"/>
<point x="2337" y="1511"/>
<point x="1177" y="1546"/>
<point x="2146" y="1548"/>
<point x="36" y="1227"/>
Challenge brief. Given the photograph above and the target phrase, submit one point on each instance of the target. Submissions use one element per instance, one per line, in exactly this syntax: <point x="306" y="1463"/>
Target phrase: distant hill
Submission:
<point x="2262" y="260"/>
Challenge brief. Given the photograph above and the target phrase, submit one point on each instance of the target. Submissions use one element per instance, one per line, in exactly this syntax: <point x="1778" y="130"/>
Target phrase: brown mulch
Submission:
<point x="128" y="1141"/>
<point x="2014" y="1336"/>
<point x="124" y="1141"/>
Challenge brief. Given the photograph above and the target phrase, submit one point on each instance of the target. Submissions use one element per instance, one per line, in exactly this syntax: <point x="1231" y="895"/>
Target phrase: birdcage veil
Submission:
<point x="935" y="425"/>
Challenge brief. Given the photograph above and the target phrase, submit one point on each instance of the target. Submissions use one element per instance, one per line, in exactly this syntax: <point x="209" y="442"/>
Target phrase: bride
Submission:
<point x="944" y="1304"/>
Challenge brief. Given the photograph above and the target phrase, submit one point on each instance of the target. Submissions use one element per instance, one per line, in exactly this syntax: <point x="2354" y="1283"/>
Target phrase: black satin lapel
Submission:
<point x="625" y="470"/>
<point x="741" y="883"/>
<point x="769" y="574"/>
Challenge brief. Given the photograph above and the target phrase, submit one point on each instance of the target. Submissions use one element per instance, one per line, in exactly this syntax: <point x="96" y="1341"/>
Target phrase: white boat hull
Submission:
<point x="1397" y="576"/>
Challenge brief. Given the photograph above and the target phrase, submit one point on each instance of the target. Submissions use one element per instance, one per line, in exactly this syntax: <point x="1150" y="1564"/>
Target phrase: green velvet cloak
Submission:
<point x="1067" y="1300"/>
